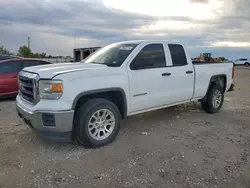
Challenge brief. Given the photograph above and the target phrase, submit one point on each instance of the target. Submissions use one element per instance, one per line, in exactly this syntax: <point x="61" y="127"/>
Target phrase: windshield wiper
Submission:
<point x="94" y="62"/>
<point x="107" y="64"/>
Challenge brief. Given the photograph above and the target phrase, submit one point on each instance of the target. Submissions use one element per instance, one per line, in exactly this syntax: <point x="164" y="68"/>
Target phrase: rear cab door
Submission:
<point x="9" y="76"/>
<point x="179" y="87"/>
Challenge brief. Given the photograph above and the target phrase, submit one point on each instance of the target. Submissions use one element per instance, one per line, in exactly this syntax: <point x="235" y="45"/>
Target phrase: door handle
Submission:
<point x="14" y="76"/>
<point x="189" y="72"/>
<point x="166" y="74"/>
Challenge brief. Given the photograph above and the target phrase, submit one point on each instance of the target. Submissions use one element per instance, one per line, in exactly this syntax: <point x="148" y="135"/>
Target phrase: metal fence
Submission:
<point x="58" y="60"/>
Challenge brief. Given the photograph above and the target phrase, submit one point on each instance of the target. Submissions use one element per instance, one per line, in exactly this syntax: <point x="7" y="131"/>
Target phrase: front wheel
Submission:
<point x="213" y="102"/>
<point x="97" y="123"/>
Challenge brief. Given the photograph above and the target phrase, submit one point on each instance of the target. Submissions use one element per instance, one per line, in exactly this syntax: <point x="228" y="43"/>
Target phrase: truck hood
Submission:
<point x="51" y="70"/>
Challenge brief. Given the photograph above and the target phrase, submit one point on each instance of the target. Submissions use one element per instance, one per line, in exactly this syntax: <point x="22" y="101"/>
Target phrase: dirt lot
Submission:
<point x="174" y="147"/>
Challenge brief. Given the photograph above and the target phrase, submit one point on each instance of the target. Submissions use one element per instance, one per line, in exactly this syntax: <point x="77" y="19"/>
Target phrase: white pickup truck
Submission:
<point x="87" y="100"/>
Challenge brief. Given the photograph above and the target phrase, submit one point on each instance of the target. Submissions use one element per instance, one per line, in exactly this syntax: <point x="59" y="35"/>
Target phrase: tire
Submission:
<point x="86" y="125"/>
<point x="247" y="64"/>
<point x="208" y="103"/>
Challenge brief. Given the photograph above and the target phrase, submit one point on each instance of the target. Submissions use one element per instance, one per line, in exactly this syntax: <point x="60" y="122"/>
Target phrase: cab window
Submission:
<point x="178" y="55"/>
<point x="151" y="56"/>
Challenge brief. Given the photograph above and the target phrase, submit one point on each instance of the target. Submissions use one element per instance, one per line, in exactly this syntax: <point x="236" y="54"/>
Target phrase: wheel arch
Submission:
<point x="103" y="92"/>
<point x="221" y="79"/>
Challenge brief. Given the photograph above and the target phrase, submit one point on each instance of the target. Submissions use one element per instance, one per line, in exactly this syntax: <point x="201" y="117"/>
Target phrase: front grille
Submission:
<point x="27" y="86"/>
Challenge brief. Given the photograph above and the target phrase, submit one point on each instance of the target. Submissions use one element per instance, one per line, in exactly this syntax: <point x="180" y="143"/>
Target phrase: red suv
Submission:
<point x="9" y="70"/>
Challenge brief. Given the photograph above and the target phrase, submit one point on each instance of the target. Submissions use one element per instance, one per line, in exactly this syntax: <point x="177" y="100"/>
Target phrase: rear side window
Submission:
<point x="178" y="55"/>
<point x="10" y="67"/>
<point x="34" y="63"/>
<point x="243" y="59"/>
<point x="151" y="56"/>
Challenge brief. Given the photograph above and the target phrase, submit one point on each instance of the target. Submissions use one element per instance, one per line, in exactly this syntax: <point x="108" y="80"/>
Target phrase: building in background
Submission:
<point x="81" y="53"/>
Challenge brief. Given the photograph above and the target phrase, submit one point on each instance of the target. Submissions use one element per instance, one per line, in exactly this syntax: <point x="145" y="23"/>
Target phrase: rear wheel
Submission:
<point x="213" y="102"/>
<point x="247" y="64"/>
<point x="97" y="123"/>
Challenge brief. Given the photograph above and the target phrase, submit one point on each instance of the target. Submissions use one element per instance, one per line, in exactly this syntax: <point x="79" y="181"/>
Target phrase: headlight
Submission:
<point x="50" y="89"/>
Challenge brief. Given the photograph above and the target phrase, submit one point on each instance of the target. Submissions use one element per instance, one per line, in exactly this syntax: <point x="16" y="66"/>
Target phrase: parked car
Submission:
<point x="6" y="57"/>
<point x="9" y="70"/>
<point x="87" y="100"/>
<point x="245" y="62"/>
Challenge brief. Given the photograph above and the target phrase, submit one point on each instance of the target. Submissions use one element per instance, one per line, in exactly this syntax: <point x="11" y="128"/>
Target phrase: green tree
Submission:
<point x="5" y="51"/>
<point x="36" y="55"/>
<point x="43" y="55"/>
<point x="223" y="58"/>
<point x="24" y="51"/>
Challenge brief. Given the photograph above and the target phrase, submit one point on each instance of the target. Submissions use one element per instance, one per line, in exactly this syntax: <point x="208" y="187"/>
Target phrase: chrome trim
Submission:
<point x="28" y="74"/>
<point x="32" y="79"/>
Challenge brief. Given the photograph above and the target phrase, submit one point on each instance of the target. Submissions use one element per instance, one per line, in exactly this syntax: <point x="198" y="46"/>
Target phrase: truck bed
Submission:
<point x="203" y="73"/>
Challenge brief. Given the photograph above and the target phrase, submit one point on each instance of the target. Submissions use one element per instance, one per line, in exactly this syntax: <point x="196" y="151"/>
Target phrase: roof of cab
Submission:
<point x="147" y="41"/>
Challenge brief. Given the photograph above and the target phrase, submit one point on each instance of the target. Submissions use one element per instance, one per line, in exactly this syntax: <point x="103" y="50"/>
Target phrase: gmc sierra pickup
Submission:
<point x="87" y="100"/>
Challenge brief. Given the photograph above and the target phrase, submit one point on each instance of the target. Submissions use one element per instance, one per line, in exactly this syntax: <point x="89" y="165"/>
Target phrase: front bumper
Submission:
<point x="50" y="125"/>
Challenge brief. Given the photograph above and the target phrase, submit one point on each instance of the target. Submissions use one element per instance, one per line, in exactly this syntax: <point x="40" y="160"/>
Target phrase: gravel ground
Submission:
<point x="174" y="147"/>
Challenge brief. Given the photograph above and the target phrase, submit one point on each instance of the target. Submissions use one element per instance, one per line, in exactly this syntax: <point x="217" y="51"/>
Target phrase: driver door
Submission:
<point x="147" y="76"/>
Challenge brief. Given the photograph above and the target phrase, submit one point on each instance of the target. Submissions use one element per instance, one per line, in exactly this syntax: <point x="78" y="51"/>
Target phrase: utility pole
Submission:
<point x="74" y="39"/>
<point x="29" y="42"/>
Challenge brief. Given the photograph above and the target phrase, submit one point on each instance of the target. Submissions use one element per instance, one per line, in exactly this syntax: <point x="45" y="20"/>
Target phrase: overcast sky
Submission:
<point x="57" y="26"/>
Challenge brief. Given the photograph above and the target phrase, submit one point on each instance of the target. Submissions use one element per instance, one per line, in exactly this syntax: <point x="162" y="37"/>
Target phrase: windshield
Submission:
<point x="112" y="55"/>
